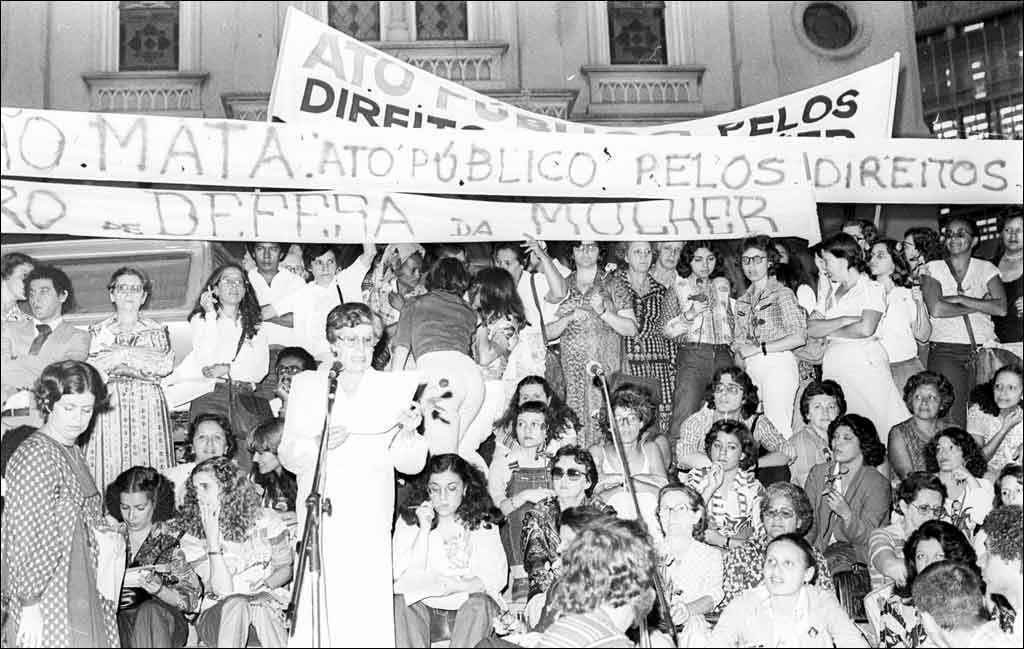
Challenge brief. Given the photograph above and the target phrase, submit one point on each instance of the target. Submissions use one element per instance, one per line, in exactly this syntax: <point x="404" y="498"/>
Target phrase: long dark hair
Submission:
<point x="142" y="479"/>
<point x="476" y="509"/>
<point x="498" y="297"/>
<point x="280" y="485"/>
<point x="955" y="547"/>
<point x="901" y="275"/>
<point x="565" y="415"/>
<point x="249" y="312"/>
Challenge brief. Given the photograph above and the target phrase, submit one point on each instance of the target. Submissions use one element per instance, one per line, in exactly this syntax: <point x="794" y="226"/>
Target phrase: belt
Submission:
<point x="16" y="412"/>
<point x="244" y="386"/>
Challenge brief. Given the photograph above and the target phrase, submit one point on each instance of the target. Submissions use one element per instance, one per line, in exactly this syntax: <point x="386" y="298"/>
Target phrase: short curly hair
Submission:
<point x="751" y="400"/>
<point x="633" y="400"/>
<point x="231" y="444"/>
<point x="240" y="502"/>
<point x="477" y="509"/>
<point x="918" y="481"/>
<point x="1005" y="528"/>
<point x="696" y="504"/>
<point x="953" y="593"/>
<point x="609" y="563"/>
<point x="142" y="479"/>
<point x="974" y="460"/>
<point x="1011" y="470"/>
<point x="351" y="315"/>
<point x="844" y="246"/>
<point x="797" y="498"/>
<point x="828" y="388"/>
<point x="765" y="244"/>
<point x="870" y="446"/>
<point x="542" y="409"/>
<point x="938" y="381"/>
<point x="739" y="430"/>
<point x="955" y="547"/>
<point x="579" y="455"/>
<point x="927" y="242"/>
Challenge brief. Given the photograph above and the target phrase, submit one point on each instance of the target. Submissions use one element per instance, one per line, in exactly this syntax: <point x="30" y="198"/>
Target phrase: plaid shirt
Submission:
<point x="767" y="315"/>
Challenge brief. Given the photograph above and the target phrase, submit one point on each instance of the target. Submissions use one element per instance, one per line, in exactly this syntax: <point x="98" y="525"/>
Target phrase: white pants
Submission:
<point x="777" y="379"/>
<point x="458" y="373"/>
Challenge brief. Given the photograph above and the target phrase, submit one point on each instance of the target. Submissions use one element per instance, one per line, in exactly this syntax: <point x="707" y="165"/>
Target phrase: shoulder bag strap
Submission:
<point x="540" y="312"/>
<point x="341" y="300"/>
<point x="960" y="290"/>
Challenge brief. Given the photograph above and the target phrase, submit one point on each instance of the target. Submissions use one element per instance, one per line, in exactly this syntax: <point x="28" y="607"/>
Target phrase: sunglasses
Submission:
<point x="573" y="474"/>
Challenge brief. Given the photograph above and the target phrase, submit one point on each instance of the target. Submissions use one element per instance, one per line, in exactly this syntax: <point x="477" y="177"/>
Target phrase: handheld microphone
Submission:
<point x="336" y="369"/>
<point x="594" y="368"/>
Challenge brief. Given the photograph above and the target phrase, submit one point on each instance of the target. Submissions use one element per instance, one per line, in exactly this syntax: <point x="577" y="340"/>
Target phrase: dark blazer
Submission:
<point x="868" y="493"/>
<point x="20" y="370"/>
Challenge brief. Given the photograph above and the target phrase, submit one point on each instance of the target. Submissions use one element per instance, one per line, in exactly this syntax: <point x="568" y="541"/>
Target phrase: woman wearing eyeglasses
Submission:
<point x="229" y="356"/>
<point x="963" y="293"/>
<point x="592" y="319"/>
<point x="921" y="498"/>
<point x="134" y="354"/>
<point x="769" y="325"/>
<point x="693" y="569"/>
<point x="573" y="478"/>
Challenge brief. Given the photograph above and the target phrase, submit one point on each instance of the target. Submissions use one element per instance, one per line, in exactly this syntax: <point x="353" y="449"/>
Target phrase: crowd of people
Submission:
<point x="681" y="443"/>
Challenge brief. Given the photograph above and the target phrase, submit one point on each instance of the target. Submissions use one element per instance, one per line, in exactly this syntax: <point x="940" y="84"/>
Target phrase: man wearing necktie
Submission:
<point x="30" y="345"/>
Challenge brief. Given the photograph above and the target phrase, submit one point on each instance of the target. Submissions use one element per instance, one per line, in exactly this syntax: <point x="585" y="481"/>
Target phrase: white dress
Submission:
<point x="358" y="600"/>
<point x="860" y="365"/>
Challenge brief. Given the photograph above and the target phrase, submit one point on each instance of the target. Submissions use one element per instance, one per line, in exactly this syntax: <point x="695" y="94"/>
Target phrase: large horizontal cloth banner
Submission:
<point x="358" y="215"/>
<point x="141" y="148"/>
<point x="324" y="74"/>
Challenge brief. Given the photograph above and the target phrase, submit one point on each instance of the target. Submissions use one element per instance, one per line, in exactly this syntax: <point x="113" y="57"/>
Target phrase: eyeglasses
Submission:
<point x="355" y="341"/>
<point x="628" y="420"/>
<point x="678" y="509"/>
<point x="227" y="281"/>
<point x="752" y="259"/>
<point x="588" y="247"/>
<point x="937" y="511"/>
<point x="558" y="473"/>
<point x="778" y="513"/>
<point x="728" y="388"/>
<point x="128" y="289"/>
<point x="288" y="370"/>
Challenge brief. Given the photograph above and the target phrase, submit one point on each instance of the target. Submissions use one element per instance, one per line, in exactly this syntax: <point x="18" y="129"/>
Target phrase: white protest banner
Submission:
<point x="325" y="75"/>
<point x="355" y="216"/>
<point x="139" y="148"/>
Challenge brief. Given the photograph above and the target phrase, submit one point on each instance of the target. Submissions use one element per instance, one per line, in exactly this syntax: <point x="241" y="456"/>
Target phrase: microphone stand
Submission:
<point x="659" y="588"/>
<point x="310" y="553"/>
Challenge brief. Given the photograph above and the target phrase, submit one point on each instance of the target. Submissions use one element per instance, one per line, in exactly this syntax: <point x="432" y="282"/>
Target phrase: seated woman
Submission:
<point x="732" y="493"/>
<point x="784" y="509"/>
<point x="209" y="435"/>
<point x="956" y="458"/>
<point x="995" y="418"/>
<point x="241" y="551"/>
<point x="536" y="388"/>
<point x="519" y="478"/>
<point x="229" y="356"/>
<point x="929" y="396"/>
<point x="573" y="478"/>
<point x="731" y="395"/>
<point x="850" y="496"/>
<point x="633" y="414"/>
<point x="920" y="499"/>
<point x="159" y="585"/>
<point x="820" y="403"/>
<point x="692" y="568"/>
<point x="785" y="611"/>
<point x="278" y="484"/>
<point x="892" y="612"/>
<point x="448" y="558"/>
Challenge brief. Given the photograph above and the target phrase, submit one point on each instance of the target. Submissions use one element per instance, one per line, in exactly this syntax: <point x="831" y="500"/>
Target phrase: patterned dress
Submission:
<point x="586" y="341"/>
<point x="734" y="511"/>
<point x="743" y="568"/>
<point x="649" y="353"/>
<point x="49" y="551"/>
<point x="136" y="431"/>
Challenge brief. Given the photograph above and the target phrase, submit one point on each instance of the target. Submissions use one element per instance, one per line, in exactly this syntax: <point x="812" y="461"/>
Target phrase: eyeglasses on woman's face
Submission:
<point x="935" y="511"/>
<point x="231" y="282"/>
<point x="574" y="475"/>
<point x="728" y="388"/>
<point x="752" y="260"/>
<point x="128" y="289"/>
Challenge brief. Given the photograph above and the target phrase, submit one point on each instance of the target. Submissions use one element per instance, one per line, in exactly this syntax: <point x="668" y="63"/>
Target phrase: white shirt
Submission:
<point x="896" y="328"/>
<point x="865" y="295"/>
<point x="975" y="284"/>
<point x="530" y="305"/>
<point x="281" y="287"/>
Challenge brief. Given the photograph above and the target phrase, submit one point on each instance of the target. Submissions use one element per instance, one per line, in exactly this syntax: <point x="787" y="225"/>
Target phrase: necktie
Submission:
<point x="44" y="332"/>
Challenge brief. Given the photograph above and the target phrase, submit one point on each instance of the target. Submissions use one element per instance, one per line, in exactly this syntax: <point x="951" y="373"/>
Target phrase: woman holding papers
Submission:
<point x="372" y="432"/>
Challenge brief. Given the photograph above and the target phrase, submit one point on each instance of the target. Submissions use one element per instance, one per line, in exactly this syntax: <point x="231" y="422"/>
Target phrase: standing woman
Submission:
<point x="592" y="319"/>
<point x="702" y="328"/>
<point x="52" y="511"/>
<point x="1010" y="261"/>
<point x="229" y="356"/>
<point x="437" y="329"/>
<point x="854" y="358"/>
<point x="960" y="290"/>
<point x="906" y="321"/>
<point x="135" y="354"/>
<point x="15" y="268"/>
<point x="920" y="246"/>
<point x="769" y="325"/>
<point x="649" y="352"/>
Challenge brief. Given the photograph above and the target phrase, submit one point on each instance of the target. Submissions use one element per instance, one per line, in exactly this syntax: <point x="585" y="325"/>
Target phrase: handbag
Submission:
<point x="770" y="474"/>
<point x="243" y="409"/>
<point x="553" y="372"/>
<point x="984" y="361"/>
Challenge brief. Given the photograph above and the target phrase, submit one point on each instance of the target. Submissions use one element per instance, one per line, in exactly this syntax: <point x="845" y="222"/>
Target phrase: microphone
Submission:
<point x="594" y="368"/>
<point x="335" y="370"/>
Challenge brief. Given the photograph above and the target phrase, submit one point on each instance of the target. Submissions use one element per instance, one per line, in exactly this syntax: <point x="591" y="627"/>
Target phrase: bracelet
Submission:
<point x="210" y="553"/>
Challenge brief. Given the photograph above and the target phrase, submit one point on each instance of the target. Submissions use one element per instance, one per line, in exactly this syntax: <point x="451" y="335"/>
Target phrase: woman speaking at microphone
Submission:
<point x="371" y="432"/>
